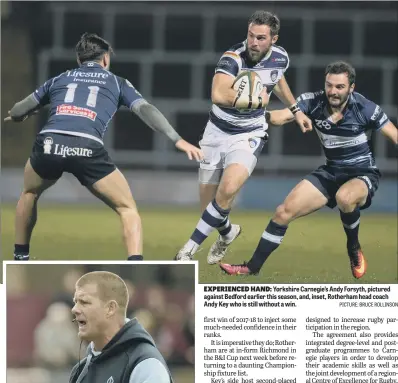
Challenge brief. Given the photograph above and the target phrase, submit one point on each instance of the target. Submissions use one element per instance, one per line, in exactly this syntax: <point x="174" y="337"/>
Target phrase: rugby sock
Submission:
<point x="213" y="217"/>
<point x="351" y="226"/>
<point x="225" y="229"/>
<point x="270" y="240"/>
<point x="135" y="258"/>
<point x="21" y="252"/>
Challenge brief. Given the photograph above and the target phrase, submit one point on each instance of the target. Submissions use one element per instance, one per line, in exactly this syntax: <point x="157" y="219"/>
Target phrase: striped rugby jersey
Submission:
<point x="347" y="143"/>
<point x="271" y="68"/>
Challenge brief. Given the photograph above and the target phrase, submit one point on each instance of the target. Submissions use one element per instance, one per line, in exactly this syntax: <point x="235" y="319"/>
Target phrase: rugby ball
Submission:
<point x="248" y="83"/>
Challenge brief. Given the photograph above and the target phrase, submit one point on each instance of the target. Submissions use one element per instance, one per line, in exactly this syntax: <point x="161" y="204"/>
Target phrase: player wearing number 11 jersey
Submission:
<point x="82" y="103"/>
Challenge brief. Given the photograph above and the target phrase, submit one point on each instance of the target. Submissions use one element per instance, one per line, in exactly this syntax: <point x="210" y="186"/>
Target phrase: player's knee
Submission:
<point x="284" y="213"/>
<point x="226" y="192"/>
<point x="31" y="195"/>
<point x="345" y="199"/>
<point x="129" y="213"/>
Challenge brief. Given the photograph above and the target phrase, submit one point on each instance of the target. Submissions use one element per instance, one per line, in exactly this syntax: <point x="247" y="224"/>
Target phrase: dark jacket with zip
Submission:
<point x="130" y="346"/>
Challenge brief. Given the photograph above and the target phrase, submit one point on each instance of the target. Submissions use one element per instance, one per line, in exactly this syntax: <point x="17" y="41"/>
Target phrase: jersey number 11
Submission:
<point x="91" y="99"/>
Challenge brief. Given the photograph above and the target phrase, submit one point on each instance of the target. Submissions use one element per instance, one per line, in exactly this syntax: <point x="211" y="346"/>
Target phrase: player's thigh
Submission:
<point x="244" y="149"/>
<point x="211" y="166"/>
<point x="96" y="171"/>
<point x="240" y="160"/>
<point x="114" y="190"/>
<point x="33" y="183"/>
<point x="210" y="171"/>
<point x="354" y="191"/>
<point x="325" y="180"/>
<point x="304" y="199"/>
<point x="43" y="168"/>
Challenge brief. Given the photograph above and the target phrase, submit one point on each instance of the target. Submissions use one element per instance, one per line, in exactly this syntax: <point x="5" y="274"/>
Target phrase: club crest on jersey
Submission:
<point x="274" y="75"/>
<point x="48" y="141"/>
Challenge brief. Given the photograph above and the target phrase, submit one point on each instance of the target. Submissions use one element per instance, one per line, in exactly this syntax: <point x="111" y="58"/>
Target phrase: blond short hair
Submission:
<point x="110" y="287"/>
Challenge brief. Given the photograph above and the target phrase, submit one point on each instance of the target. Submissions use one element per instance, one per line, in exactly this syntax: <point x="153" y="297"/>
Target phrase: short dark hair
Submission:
<point x="339" y="67"/>
<point x="109" y="287"/>
<point x="266" y="18"/>
<point x="91" y="47"/>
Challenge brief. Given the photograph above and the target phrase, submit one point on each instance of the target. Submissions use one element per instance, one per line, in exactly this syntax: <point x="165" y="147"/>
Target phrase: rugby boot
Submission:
<point x="357" y="261"/>
<point x="237" y="269"/>
<point x="21" y="257"/>
<point x="218" y="249"/>
<point x="185" y="254"/>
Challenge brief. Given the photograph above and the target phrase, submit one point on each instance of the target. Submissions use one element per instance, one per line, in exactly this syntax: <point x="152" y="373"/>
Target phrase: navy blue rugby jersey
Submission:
<point x="84" y="100"/>
<point x="346" y="143"/>
<point x="270" y="69"/>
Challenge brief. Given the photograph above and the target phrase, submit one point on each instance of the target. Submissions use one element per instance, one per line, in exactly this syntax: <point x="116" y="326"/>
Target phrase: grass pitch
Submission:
<point x="313" y="250"/>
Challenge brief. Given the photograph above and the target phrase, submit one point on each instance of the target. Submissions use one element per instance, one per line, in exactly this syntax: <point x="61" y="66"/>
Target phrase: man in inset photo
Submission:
<point x="120" y="349"/>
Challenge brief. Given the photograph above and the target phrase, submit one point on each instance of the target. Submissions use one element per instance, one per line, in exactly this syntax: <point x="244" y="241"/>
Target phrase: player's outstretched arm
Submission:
<point x="279" y="117"/>
<point x="23" y="109"/>
<point x="158" y="122"/>
<point x="390" y="131"/>
<point x="283" y="92"/>
<point x="223" y="94"/>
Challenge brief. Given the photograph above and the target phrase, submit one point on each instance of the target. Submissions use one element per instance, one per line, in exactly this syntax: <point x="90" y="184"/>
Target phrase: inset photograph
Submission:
<point x="100" y="323"/>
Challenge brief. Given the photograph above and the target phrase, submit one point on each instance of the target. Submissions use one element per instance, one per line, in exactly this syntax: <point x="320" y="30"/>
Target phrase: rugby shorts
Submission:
<point x="221" y="149"/>
<point x="54" y="153"/>
<point x="328" y="180"/>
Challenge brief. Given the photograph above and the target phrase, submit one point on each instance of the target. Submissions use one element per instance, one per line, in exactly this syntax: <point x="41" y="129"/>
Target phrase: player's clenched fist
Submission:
<point x="191" y="150"/>
<point x="304" y="122"/>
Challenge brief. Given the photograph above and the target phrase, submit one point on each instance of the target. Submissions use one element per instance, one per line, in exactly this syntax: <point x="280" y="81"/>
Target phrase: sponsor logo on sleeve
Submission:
<point x="375" y="113"/>
<point x="224" y="63"/>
